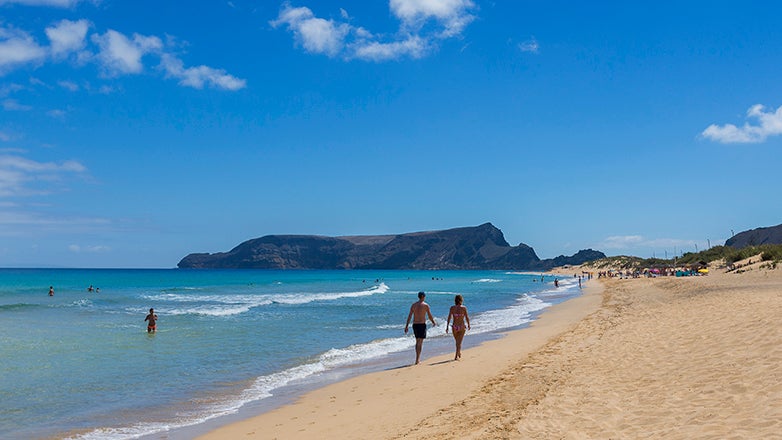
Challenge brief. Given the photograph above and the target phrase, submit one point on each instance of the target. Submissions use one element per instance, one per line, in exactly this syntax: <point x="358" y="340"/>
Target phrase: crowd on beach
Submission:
<point x="653" y="273"/>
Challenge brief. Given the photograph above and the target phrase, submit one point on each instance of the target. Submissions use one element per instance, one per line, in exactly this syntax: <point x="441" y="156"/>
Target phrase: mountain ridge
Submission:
<point x="480" y="247"/>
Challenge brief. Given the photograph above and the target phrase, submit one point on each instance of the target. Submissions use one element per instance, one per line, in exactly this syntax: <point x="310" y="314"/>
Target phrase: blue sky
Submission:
<point x="134" y="133"/>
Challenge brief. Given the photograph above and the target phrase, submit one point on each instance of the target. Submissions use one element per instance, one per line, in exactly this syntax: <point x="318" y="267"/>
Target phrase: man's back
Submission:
<point x="420" y="309"/>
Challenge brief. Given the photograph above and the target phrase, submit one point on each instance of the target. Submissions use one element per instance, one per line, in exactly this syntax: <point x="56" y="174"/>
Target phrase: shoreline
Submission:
<point x="674" y="358"/>
<point x="390" y="398"/>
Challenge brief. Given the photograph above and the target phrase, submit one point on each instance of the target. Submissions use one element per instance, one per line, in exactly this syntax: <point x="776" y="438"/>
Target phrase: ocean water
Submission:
<point x="81" y="365"/>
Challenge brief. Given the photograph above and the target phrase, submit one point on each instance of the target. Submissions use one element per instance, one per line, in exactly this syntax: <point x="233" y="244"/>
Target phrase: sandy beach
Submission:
<point x="674" y="358"/>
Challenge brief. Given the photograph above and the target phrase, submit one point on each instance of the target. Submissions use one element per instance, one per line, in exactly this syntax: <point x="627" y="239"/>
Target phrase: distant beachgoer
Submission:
<point x="556" y="282"/>
<point x="152" y="318"/>
<point x="51" y="290"/>
<point x="419" y="311"/>
<point x="90" y="289"/>
<point x="459" y="314"/>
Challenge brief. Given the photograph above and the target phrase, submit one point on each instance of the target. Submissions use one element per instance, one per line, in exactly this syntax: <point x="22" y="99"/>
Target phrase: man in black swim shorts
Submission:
<point x="419" y="330"/>
<point x="419" y="311"/>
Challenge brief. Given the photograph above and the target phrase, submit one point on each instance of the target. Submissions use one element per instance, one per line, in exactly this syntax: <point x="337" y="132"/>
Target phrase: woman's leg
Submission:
<point x="459" y="337"/>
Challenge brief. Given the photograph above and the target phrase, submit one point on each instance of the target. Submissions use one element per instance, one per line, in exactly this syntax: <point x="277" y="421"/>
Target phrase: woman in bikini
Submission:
<point x="459" y="314"/>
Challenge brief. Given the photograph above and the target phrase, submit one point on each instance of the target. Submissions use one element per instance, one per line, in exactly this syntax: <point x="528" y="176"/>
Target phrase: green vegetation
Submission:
<point x="771" y="253"/>
<point x="768" y="252"/>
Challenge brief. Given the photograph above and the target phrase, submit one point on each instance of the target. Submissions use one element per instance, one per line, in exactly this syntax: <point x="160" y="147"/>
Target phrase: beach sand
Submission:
<point x="674" y="358"/>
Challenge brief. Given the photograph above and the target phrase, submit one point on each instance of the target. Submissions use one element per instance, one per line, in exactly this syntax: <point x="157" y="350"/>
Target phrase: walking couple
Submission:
<point x="419" y="311"/>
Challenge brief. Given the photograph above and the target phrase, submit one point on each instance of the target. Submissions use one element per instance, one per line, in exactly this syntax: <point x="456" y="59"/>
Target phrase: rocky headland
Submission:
<point x="470" y="248"/>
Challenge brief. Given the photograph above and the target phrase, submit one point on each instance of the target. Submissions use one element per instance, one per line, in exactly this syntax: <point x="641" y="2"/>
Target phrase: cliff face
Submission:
<point x="756" y="237"/>
<point x="479" y="247"/>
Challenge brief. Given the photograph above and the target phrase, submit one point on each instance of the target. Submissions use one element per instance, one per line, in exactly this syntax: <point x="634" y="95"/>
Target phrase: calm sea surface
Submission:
<point x="80" y="364"/>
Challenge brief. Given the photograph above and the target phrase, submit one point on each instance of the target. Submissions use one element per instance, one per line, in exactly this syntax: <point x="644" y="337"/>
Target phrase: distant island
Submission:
<point x="470" y="248"/>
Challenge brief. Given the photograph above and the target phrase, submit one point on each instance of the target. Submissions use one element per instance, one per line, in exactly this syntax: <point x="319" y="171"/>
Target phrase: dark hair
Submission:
<point x="151" y="310"/>
<point x="458" y="299"/>
<point x="421" y="294"/>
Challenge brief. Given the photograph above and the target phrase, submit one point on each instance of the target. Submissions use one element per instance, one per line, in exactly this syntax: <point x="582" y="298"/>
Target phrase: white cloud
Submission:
<point x="37" y="82"/>
<point x="415" y="47"/>
<point x="17" y="48"/>
<point x="18" y="174"/>
<point x="198" y="77"/>
<point x="67" y="36"/>
<point x="18" y="221"/>
<point x="770" y="124"/>
<point x="68" y="85"/>
<point x="422" y="24"/>
<point x="316" y="35"/>
<point x="16" y="218"/>
<point x="453" y="15"/>
<point x="75" y="248"/>
<point x="8" y="89"/>
<point x="322" y="36"/>
<point x="121" y="55"/>
<point x="530" y="46"/>
<point x="14" y="105"/>
<point x="116" y="53"/>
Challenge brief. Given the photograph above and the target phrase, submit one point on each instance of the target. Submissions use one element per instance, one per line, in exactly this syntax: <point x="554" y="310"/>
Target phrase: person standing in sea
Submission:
<point x="51" y="290"/>
<point x="419" y="311"/>
<point x="459" y="314"/>
<point x="152" y="318"/>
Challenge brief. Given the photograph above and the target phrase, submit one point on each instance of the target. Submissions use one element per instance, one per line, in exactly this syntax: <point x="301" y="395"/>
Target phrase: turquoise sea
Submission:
<point x="230" y="343"/>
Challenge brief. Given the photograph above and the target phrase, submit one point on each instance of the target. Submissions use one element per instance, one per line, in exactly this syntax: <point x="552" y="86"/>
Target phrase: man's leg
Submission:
<point x="419" y="343"/>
